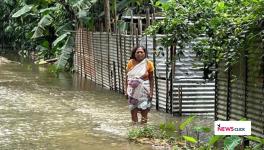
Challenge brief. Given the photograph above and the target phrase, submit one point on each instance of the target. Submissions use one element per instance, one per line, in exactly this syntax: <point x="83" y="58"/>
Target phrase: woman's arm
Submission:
<point x="126" y="80"/>
<point x="125" y="90"/>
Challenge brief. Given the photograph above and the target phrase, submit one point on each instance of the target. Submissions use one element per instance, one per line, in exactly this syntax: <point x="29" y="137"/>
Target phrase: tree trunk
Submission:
<point x="107" y="15"/>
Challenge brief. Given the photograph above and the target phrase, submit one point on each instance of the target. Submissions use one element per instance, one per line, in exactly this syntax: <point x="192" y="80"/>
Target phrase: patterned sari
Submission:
<point x="138" y="89"/>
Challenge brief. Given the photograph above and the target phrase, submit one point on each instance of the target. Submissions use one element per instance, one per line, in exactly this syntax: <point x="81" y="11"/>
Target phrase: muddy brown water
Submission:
<point x="41" y="111"/>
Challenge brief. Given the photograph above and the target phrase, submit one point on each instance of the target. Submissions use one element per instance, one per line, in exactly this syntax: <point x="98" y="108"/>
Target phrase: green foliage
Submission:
<point x="186" y="122"/>
<point x="54" y="70"/>
<point x="190" y="139"/>
<point x="168" y="129"/>
<point x="222" y="29"/>
<point x="202" y="129"/>
<point x="39" y="30"/>
<point x="146" y="132"/>
<point x="214" y="139"/>
<point x="45" y="26"/>
<point x="230" y="143"/>
<point x="258" y="140"/>
<point x="60" y="39"/>
<point x="23" y="11"/>
<point x="65" y="59"/>
<point x="165" y="129"/>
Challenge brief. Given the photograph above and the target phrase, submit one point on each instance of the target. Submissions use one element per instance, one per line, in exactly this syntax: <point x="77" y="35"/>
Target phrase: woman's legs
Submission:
<point x="144" y="116"/>
<point x="134" y="116"/>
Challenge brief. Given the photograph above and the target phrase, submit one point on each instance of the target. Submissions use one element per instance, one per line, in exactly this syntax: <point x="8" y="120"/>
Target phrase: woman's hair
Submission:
<point x="134" y="52"/>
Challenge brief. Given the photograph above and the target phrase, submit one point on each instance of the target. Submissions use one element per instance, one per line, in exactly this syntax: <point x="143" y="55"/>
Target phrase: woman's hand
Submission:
<point x="151" y="93"/>
<point x="150" y="96"/>
<point x="125" y="93"/>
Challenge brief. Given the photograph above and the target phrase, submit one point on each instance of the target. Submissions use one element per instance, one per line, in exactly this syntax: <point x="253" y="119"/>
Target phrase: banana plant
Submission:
<point x="52" y="29"/>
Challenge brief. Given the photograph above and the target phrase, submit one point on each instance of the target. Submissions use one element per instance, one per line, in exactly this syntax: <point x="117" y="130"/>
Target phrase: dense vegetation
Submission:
<point x="47" y="27"/>
<point x="188" y="136"/>
<point x="44" y="26"/>
<point x="223" y="29"/>
<point x="226" y="28"/>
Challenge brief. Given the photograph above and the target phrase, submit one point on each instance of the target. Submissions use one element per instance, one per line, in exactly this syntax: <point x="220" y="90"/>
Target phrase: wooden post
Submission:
<point x="153" y="18"/>
<point x="101" y="59"/>
<point x="94" y="58"/>
<point x="89" y="55"/>
<point x="228" y="99"/>
<point x="125" y="54"/>
<point x="132" y="28"/>
<point x="131" y="23"/>
<point x="121" y="62"/>
<point x="139" y="26"/>
<point x="245" y="140"/>
<point x="114" y="15"/>
<point x="173" y="68"/>
<point x="81" y="50"/>
<point x="215" y="90"/>
<point x="155" y="72"/>
<point x="167" y="78"/>
<point x="147" y="17"/>
<point x="136" y="31"/>
<point x="118" y="64"/>
<point x="180" y="99"/>
<point x="108" y="60"/>
<point x="114" y="74"/>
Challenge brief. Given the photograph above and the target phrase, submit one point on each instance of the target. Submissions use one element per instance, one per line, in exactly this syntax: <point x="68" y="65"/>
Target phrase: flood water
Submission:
<point x="41" y="111"/>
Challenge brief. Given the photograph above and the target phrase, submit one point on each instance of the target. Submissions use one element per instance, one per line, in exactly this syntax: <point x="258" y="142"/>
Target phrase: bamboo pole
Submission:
<point x="155" y="72"/>
<point x="91" y="61"/>
<point x="114" y="74"/>
<point x="125" y="52"/>
<point x="136" y="33"/>
<point x="95" y="70"/>
<point x="167" y="78"/>
<point x="147" y="17"/>
<point x="139" y="26"/>
<point x="81" y="44"/>
<point x="132" y="28"/>
<point x="173" y="68"/>
<point x="89" y="53"/>
<point x="101" y="55"/>
<point x="180" y="99"/>
<point x="108" y="60"/>
<point x="121" y="61"/>
<point x="118" y="64"/>
<point x="131" y="22"/>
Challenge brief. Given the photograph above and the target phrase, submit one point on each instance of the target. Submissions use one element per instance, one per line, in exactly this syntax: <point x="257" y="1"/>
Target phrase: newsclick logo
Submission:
<point x="232" y="127"/>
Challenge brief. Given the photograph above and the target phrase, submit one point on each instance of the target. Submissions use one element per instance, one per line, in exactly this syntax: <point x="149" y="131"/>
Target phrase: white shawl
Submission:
<point x="139" y="70"/>
<point x="141" y="91"/>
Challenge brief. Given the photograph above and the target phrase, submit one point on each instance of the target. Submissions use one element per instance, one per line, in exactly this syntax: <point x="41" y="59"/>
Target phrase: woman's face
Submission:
<point x="140" y="54"/>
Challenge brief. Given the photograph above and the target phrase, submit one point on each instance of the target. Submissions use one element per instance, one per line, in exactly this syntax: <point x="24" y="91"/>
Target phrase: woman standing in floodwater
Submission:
<point x="139" y="84"/>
